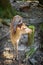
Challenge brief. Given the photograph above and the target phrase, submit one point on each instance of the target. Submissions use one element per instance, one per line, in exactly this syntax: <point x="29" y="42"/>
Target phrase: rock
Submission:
<point x="28" y="4"/>
<point x="1" y="25"/>
<point x="8" y="54"/>
<point x="41" y="1"/>
<point x="7" y="62"/>
<point x="24" y="8"/>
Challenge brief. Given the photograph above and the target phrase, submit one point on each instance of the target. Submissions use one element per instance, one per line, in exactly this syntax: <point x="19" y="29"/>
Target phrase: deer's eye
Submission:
<point x="19" y="25"/>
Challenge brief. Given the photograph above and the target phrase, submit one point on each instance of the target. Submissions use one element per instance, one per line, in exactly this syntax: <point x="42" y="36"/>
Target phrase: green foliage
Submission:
<point x="7" y="13"/>
<point x="31" y="36"/>
<point x="30" y="52"/>
<point x="5" y="3"/>
<point x="32" y="27"/>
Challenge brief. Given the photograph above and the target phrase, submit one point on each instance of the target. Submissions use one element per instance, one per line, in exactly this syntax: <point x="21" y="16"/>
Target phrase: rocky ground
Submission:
<point x="34" y="16"/>
<point x="5" y="43"/>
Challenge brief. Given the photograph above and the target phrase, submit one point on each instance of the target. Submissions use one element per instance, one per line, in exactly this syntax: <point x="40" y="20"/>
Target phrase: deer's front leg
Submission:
<point x="17" y="49"/>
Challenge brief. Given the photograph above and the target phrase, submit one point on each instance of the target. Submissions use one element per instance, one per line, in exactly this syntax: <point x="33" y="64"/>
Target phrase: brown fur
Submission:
<point x="15" y="37"/>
